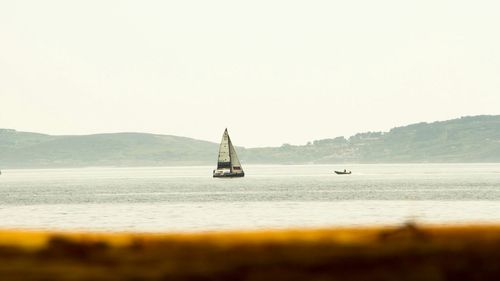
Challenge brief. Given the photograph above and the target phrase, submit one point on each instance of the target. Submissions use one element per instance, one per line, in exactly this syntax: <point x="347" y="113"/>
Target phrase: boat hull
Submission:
<point x="342" y="173"/>
<point x="229" y="175"/>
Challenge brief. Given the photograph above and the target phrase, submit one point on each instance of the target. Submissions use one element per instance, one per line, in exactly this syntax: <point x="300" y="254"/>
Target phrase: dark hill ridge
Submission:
<point x="467" y="139"/>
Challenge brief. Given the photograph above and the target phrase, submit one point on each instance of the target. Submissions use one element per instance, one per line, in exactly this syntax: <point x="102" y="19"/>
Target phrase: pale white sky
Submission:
<point x="270" y="71"/>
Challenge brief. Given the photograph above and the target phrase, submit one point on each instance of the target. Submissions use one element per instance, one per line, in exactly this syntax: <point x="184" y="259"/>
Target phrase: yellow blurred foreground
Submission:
<point x="400" y="253"/>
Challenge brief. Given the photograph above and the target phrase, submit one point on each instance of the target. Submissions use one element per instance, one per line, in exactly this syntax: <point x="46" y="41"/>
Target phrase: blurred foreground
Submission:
<point x="400" y="253"/>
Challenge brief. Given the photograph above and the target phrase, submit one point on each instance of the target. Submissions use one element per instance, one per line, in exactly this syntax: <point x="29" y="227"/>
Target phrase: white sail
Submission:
<point x="235" y="162"/>
<point x="224" y="160"/>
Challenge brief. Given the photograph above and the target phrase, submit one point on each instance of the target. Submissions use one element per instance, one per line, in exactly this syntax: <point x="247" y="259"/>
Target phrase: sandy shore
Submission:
<point x="391" y="253"/>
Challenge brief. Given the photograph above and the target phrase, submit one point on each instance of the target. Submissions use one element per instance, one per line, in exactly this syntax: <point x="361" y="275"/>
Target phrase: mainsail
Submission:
<point x="228" y="160"/>
<point x="224" y="160"/>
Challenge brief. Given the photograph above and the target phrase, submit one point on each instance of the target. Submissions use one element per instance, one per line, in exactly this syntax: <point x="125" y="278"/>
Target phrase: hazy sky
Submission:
<point x="270" y="71"/>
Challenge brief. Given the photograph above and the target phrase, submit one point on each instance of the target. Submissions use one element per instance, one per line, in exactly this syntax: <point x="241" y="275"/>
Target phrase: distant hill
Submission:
<point x="467" y="139"/>
<point x="20" y="149"/>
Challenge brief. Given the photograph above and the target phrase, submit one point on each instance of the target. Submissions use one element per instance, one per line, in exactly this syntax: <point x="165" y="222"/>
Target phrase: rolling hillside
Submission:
<point x="19" y="149"/>
<point x="467" y="139"/>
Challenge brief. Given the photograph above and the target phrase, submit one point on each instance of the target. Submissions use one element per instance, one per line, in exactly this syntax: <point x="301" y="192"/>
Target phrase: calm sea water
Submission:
<point x="189" y="199"/>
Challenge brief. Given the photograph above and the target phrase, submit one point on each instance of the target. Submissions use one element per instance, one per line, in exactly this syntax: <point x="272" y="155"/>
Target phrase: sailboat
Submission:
<point x="228" y="164"/>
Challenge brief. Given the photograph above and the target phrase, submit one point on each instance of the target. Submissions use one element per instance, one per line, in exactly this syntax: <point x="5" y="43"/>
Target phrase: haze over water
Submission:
<point x="189" y="199"/>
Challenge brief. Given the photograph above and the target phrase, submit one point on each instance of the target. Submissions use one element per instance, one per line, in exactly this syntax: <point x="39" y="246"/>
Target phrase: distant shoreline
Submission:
<point x="473" y="139"/>
<point x="250" y="165"/>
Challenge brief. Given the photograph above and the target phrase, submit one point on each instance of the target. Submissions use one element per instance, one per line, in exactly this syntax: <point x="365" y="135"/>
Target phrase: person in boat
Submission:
<point x="345" y="171"/>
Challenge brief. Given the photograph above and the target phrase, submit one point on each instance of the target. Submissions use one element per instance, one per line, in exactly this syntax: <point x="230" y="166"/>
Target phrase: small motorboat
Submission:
<point x="345" y="172"/>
